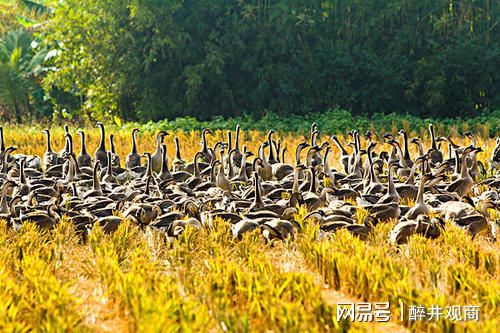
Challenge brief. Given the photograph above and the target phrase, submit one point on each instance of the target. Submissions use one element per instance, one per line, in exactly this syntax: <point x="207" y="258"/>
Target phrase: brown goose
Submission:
<point x="133" y="158"/>
<point x="84" y="159"/>
<point x="271" y="159"/>
<point x="50" y="157"/>
<point x="344" y="156"/>
<point x="115" y="158"/>
<point x="435" y="155"/>
<point x="178" y="162"/>
<point x="209" y="156"/>
<point x="463" y="185"/>
<point x="100" y="154"/>
<point x="157" y="155"/>
<point x="406" y="153"/>
<point x="420" y="207"/>
<point x="238" y="155"/>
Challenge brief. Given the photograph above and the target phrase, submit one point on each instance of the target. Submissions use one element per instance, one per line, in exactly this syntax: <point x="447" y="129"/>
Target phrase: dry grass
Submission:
<point x="206" y="281"/>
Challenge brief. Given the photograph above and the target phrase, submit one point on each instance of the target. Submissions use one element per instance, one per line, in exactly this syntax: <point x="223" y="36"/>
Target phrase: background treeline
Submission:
<point x="145" y="60"/>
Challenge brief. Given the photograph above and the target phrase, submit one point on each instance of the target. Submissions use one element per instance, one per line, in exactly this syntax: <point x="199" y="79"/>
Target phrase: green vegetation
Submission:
<point x="148" y="60"/>
<point x="337" y="120"/>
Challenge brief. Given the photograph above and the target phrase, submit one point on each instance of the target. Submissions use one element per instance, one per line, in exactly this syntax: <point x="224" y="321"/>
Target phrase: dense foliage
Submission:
<point x="153" y="59"/>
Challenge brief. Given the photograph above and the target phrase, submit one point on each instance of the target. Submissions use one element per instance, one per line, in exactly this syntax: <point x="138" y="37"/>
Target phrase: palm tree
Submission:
<point x="20" y="65"/>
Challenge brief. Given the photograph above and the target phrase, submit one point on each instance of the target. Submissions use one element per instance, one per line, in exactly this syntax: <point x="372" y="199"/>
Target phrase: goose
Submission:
<point x="178" y="162"/>
<point x="271" y="158"/>
<point x="96" y="184"/>
<point x="115" y="158"/>
<point x="238" y="155"/>
<point x="423" y="225"/>
<point x="65" y="149"/>
<point x="257" y="201"/>
<point x="406" y="155"/>
<point x="100" y="154"/>
<point x="405" y="169"/>
<point x="157" y="155"/>
<point x="281" y="170"/>
<point x="277" y="229"/>
<point x="316" y="159"/>
<point x="266" y="171"/>
<point x="133" y="158"/>
<point x="206" y="152"/>
<point x="221" y="181"/>
<point x="474" y="168"/>
<point x="50" y="157"/>
<point x="84" y="159"/>
<point x="242" y="174"/>
<point x="420" y="207"/>
<point x="164" y="173"/>
<point x="44" y="220"/>
<point x="393" y="157"/>
<point x="392" y="194"/>
<point x="435" y="155"/>
<point x="242" y="227"/>
<point x="416" y="141"/>
<point x="344" y="155"/>
<point x="463" y="185"/>
<point x="5" y="162"/>
<point x="108" y="176"/>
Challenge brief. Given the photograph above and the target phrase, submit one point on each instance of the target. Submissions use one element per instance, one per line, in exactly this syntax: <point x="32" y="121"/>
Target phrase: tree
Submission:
<point x="21" y="65"/>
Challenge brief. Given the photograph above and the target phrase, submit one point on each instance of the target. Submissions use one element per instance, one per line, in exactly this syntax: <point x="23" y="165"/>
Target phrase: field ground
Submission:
<point x="208" y="281"/>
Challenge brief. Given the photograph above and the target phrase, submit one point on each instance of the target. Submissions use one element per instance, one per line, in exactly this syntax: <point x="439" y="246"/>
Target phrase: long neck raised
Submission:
<point x="49" y="145"/>
<point x="95" y="178"/>
<point x="66" y="133"/>
<point x="196" y="166"/>
<point x="420" y="194"/>
<point x="463" y="166"/>
<point x="177" y="148"/>
<point x="149" y="166"/>
<point x="295" y="188"/>
<point x="69" y="142"/>
<point x="342" y="149"/>
<point x="164" y="164"/>
<point x="204" y="136"/>
<point x="22" y="176"/>
<point x="297" y="154"/>
<point x="75" y="164"/>
<point x="433" y="138"/>
<point x="110" y="164"/>
<point x="112" y="144"/>
<point x="134" y="142"/>
<point x="405" y="142"/>
<point x="2" y="142"/>
<point x="102" y="145"/>
<point x="84" y="147"/>
<point x="237" y="141"/>
<point x="243" y="171"/>
<point x="271" y="146"/>
<point x="159" y="141"/>
<point x="400" y="153"/>
<point x="229" y="141"/>
<point x="391" y="189"/>
<point x="258" y="195"/>
<point x="313" y="186"/>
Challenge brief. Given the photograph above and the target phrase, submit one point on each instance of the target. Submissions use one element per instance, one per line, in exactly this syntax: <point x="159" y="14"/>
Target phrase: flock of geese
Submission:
<point x="256" y="192"/>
